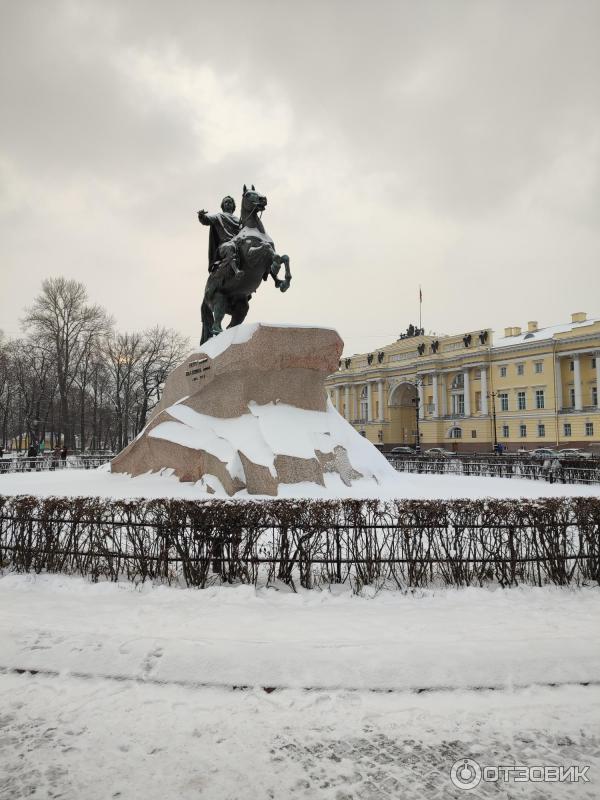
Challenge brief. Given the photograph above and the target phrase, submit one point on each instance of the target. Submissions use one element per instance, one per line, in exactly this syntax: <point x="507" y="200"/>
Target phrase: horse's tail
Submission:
<point x="207" y="322"/>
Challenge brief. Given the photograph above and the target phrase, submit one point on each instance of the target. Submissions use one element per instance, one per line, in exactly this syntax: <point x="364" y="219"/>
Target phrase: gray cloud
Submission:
<point x="451" y="145"/>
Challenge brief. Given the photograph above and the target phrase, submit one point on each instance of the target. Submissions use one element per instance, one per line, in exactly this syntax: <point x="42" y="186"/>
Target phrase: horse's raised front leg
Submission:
<point x="282" y="285"/>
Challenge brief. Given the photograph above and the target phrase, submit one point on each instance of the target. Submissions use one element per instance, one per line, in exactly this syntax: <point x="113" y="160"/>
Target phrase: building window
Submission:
<point x="539" y="367"/>
<point x="521" y="401"/>
<point x="571" y="366"/>
<point x="520" y="369"/>
<point x="503" y="372"/>
<point x="572" y="396"/>
<point x="456" y="433"/>
<point x="503" y="397"/>
<point x="364" y="403"/>
<point x="567" y="429"/>
<point x="594" y="363"/>
<point x="541" y="430"/>
<point x="523" y="431"/>
<point x="505" y="431"/>
<point x="473" y="434"/>
<point x="539" y="398"/>
<point x="594" y="395"/>
<point x="589" y="428"/>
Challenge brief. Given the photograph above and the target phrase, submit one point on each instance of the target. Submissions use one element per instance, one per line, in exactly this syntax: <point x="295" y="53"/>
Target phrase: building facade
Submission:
<point x="529" y="388"/>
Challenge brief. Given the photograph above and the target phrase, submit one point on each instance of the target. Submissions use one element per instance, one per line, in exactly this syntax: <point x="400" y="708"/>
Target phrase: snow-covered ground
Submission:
<point x="240" y="636"/>
<point x="101" y="483"/>
<point x="134" y="697"/>
<point x="72" y="739"/>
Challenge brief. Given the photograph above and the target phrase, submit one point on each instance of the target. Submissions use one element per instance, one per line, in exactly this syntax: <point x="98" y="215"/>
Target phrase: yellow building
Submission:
<point x="529" y="388"/>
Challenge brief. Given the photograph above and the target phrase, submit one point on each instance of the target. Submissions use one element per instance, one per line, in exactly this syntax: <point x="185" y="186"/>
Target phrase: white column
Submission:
<point x="444" y="395"/>
<point x="347" y="401"/>
<point x="421" y="407"/>
<point x="467" y="394"/>
<point x="577" y="380"/>
<point x="436" y="399"/>
<point x="380" y="398"/>
<point x="369" y="402"/>
<point x="484" y="392"/>
<point x="337" y="398"/>
<point x="559" y="393"/>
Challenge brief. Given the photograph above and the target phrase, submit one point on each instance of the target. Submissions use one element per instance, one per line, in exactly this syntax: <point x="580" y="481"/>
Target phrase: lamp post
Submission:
<point x="416" y="400"/>
<point x="492" y="397"/>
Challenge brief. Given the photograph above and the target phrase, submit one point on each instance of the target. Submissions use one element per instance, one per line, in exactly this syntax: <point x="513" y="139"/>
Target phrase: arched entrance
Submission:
<point x="455" y="434"/>
<point x="403" y="423"/>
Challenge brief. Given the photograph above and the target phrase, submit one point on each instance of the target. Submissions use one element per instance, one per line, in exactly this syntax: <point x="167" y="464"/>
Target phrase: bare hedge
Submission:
<point x="402" y="543"/>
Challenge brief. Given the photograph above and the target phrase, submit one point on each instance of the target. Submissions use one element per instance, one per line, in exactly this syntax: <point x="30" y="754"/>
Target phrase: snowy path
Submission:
<point x="101" y="483"/>
<point x="156" y="717"/>
<point x="72" y="739"/>
<point x="240" y="636"/>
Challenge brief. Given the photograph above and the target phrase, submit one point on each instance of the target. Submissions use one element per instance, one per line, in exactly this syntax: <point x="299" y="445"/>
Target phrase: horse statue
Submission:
<point x="243" y="262"/>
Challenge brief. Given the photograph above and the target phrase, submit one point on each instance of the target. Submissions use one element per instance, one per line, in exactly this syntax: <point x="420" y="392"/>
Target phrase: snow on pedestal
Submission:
<point x="250" y="412"/>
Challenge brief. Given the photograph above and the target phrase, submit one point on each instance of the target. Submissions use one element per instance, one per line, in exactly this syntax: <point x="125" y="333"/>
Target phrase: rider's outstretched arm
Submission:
<point x="204" y="218"/>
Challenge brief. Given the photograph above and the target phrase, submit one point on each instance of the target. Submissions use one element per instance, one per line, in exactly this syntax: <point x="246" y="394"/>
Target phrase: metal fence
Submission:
<point x="49" y="462"/>
<point x="552" y="472"/>
<point x="404" y="543"/>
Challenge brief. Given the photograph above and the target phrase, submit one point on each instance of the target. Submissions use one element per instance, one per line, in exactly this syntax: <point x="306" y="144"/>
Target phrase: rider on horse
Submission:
<point x="244" y="256"/>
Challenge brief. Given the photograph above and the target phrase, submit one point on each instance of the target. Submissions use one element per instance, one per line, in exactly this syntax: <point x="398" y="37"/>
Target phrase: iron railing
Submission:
<point x="552" y="472"/>
<point x="49" y="462"/>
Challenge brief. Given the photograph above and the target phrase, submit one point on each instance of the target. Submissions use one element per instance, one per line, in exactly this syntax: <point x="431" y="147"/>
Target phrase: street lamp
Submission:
<point x="417" y="401"/>
<point x="492" y="397"/>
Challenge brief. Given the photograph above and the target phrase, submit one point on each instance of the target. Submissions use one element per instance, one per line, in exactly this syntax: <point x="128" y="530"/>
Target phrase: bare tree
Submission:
<point x="33" y="377"/>
<point x="164" y="350"/>
<point x="124" y="353"/>
<point x="63" y="321"/>
<point x="138" y="365"/>
<point x="5" y="390"/>
<point x="72" y="371"/>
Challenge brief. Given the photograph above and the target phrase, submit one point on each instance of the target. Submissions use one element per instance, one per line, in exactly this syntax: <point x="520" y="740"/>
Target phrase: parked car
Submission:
<point x="403" y="451"/>
<point x="439" y="452"/>
<point x="542" y="453"/>
<point x="573" y="452"/>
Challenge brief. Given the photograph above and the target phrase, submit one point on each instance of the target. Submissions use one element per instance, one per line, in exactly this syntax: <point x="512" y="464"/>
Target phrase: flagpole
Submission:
<point x="420" y="306"/>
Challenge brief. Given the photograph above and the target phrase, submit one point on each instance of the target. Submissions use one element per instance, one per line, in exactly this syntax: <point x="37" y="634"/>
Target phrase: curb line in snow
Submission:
<point x="52" y="673"/>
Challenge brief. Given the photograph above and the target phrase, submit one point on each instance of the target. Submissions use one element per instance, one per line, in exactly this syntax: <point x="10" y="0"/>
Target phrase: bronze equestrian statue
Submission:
<point x="241" y="255"/>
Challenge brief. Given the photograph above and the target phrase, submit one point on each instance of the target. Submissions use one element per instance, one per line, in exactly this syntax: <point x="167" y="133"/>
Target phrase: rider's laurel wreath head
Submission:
<point x="230" y="203"/>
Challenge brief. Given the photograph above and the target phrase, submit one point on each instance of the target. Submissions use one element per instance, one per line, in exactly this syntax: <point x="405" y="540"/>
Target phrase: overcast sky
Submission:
<point x="454" y="145"/>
